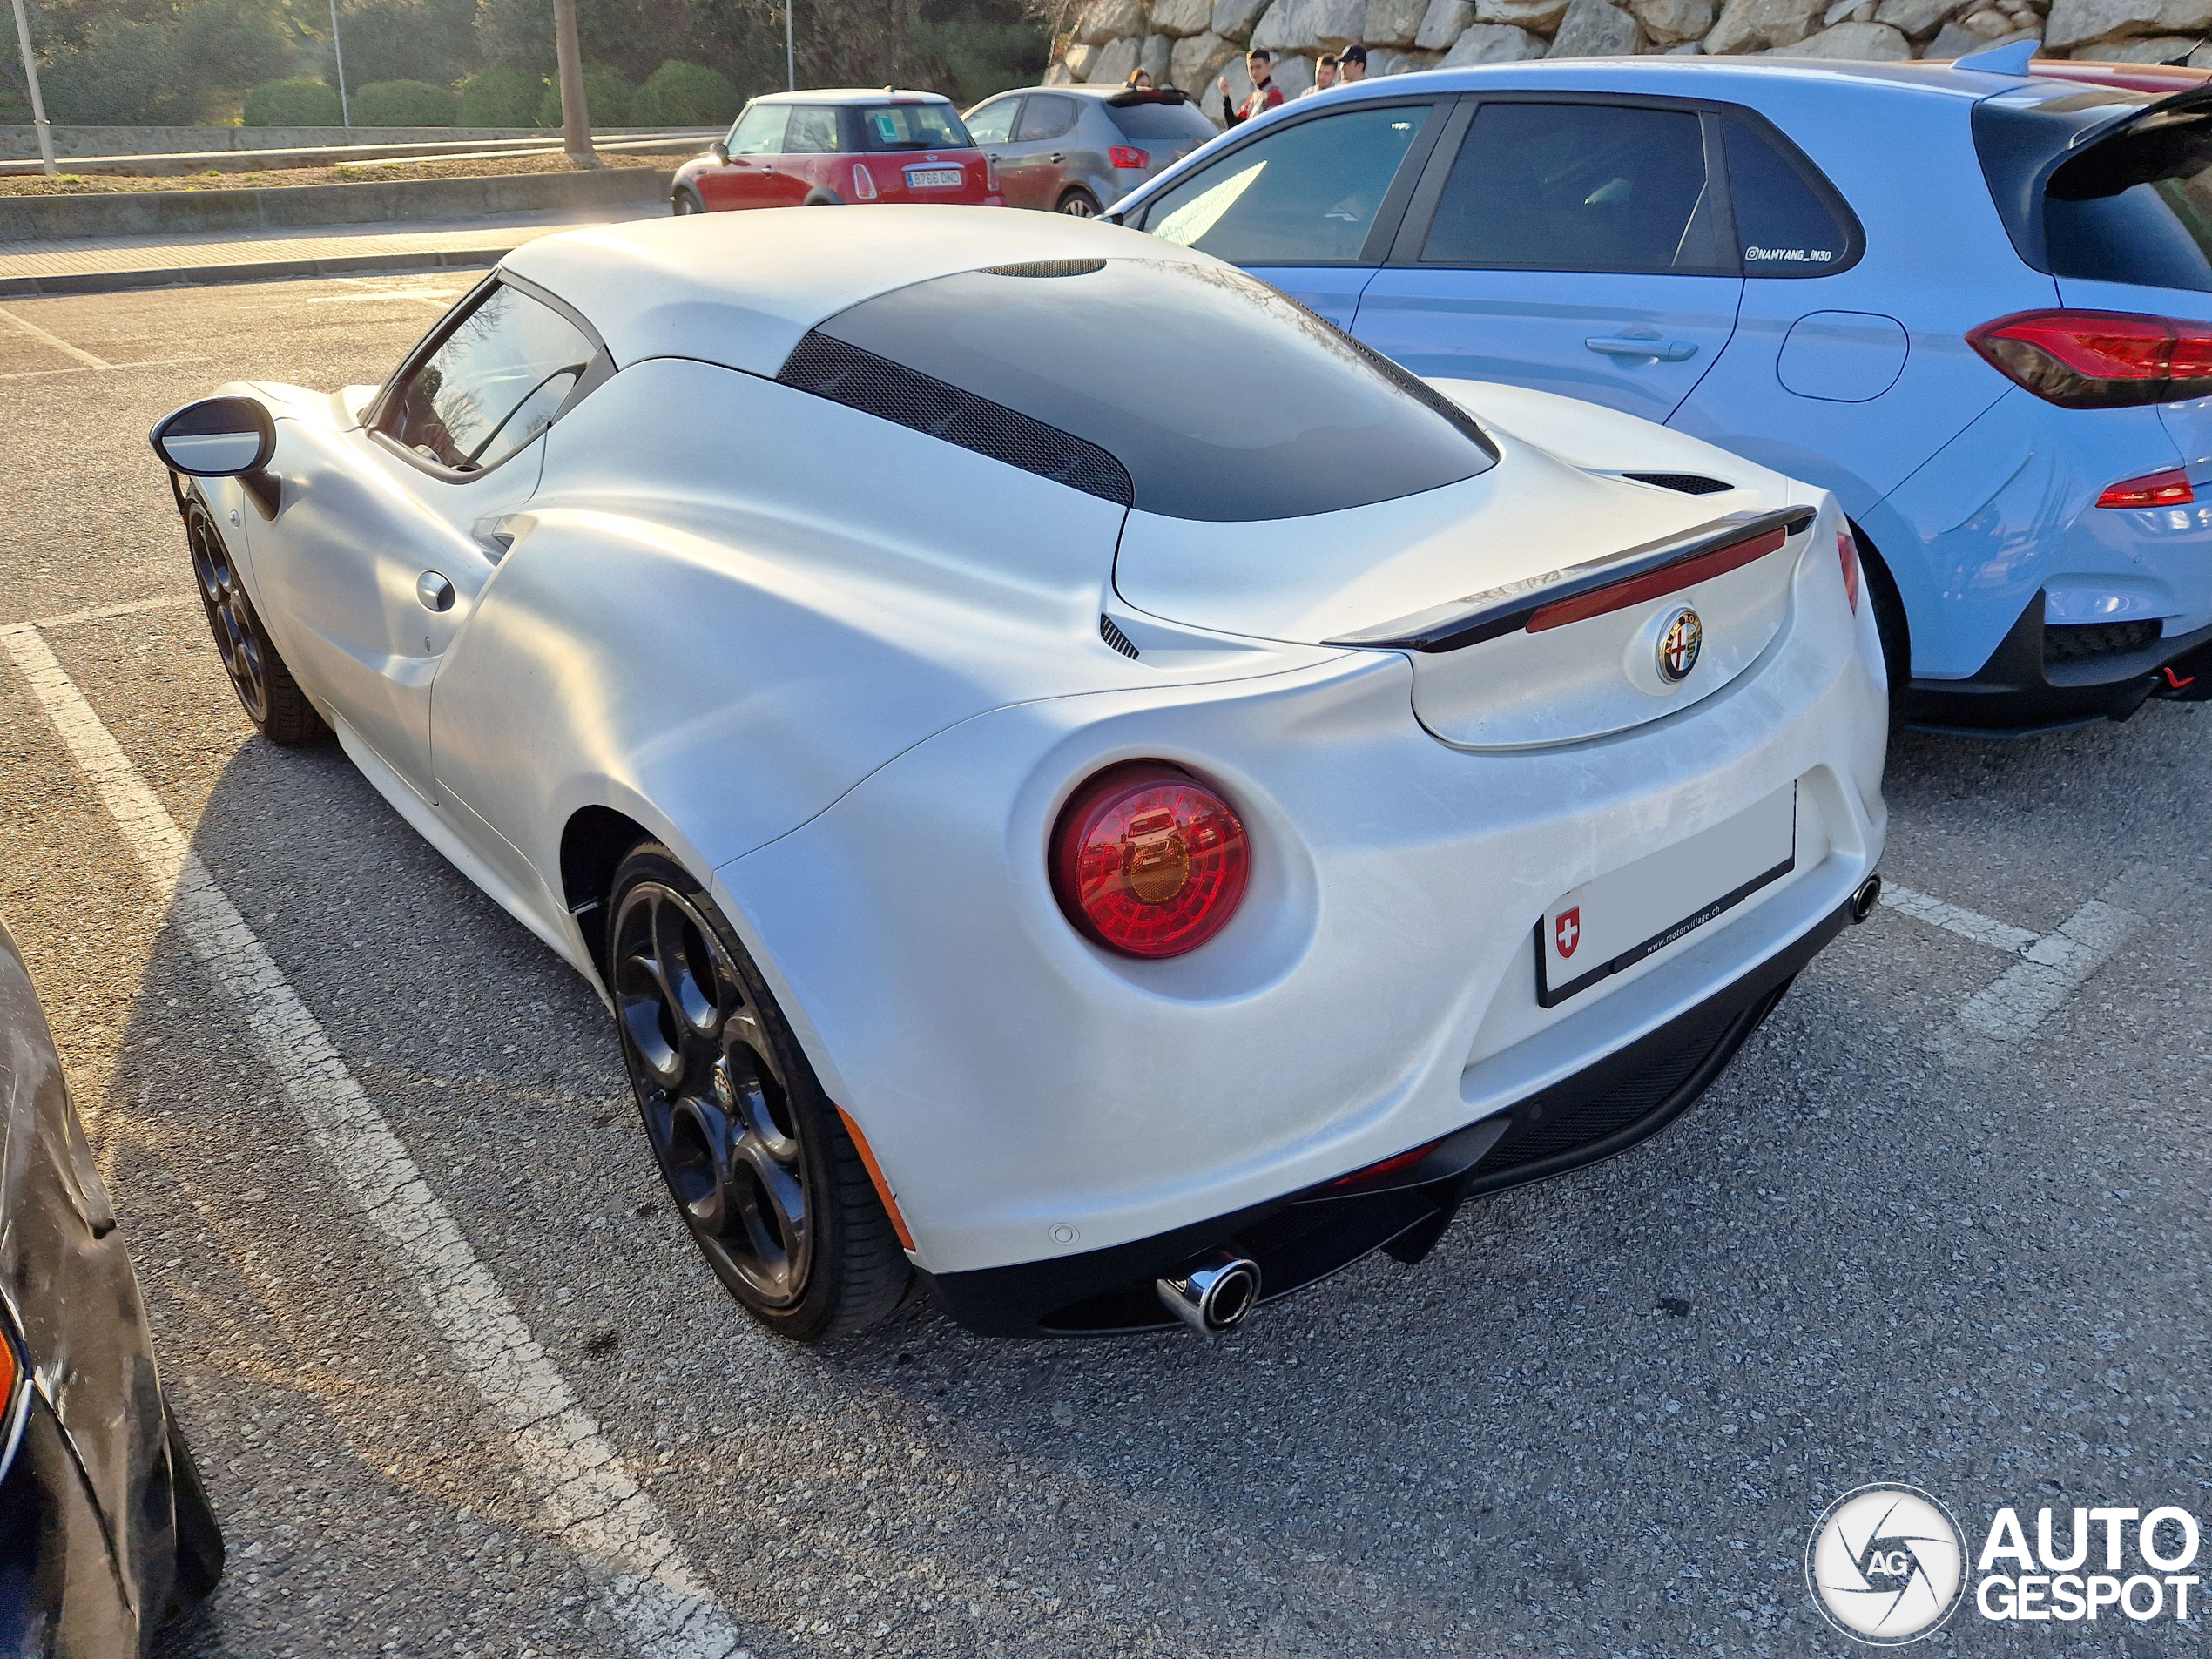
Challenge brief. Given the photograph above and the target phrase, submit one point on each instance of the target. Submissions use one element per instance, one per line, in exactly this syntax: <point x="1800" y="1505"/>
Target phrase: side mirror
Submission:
<point x="721" y="148"/>
<point x="217" y="437"/>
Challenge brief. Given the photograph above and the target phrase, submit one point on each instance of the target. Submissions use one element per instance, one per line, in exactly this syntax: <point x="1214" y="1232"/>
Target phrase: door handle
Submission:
<point x="434" y="592"/>
<point x="1664" y="351"/>
<point x="1056" y="158"/>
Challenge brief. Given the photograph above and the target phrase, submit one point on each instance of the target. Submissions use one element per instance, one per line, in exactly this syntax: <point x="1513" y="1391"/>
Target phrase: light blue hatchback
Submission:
<point x="1974" y="304"/>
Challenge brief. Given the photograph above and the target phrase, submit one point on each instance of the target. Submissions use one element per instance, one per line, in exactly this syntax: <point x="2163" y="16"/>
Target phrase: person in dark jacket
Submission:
<point x="1265" y="94"/>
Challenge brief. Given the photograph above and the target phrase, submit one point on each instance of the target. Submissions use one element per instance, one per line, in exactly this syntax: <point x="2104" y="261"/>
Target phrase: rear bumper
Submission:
<point x="1304" y="1237"/>
<point x="2024" y="692"/>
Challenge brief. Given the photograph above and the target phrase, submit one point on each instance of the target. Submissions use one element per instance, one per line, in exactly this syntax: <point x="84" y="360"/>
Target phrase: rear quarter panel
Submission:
<point x="719" y="625"/>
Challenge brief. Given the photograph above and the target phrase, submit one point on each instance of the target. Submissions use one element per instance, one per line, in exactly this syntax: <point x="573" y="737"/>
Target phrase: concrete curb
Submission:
<point x="27" y="288"/>
<point x="218" y="212"/>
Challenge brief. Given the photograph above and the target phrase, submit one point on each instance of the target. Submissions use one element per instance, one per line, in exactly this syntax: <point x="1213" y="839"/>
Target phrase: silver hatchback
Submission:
<point x="1077" y="149"/>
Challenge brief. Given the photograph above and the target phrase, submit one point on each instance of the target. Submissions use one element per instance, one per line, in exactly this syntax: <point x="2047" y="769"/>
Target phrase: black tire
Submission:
<point x="1889" y="617"/>
<point x="199" y="1539"/>
<point x="685" y="202"/>
<point x="271" y="698"/>
<point x="761" y="1169"/>
<point x="1079" y="204"/>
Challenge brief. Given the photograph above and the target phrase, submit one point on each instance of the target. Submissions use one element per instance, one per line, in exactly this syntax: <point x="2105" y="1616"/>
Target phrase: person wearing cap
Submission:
<point x="1261" y="63"/>
<point x="1352" y="64"/>
<point x="1325" y="75"/>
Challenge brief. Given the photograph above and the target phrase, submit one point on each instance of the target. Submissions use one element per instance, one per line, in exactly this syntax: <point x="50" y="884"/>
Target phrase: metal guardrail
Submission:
<point x="263" y="160"/>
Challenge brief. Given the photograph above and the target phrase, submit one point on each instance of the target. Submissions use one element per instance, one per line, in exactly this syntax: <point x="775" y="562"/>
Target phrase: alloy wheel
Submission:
<point x="230" y="615"/>
<point x="714" y="1095"/>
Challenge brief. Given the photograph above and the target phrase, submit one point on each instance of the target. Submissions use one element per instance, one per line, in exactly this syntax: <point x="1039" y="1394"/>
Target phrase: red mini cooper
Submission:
<point x="840" y="145"/>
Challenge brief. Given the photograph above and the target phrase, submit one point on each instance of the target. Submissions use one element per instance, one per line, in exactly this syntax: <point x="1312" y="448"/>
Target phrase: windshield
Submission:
<point x="910" y="126"/>
<point x="1221" y="398"/>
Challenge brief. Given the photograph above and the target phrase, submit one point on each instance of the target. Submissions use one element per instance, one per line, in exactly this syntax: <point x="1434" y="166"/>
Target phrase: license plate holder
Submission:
<point x="1615" y="920"/>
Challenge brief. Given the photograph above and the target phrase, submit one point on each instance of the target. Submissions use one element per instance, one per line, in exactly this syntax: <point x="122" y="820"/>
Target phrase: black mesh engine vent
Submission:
<point x="1114" y="636"/>
<point x="1690" y="483"/>
<point x="1046" y="268"/>
<point x="2062" y="640"/>
<point x="860" y="380"/>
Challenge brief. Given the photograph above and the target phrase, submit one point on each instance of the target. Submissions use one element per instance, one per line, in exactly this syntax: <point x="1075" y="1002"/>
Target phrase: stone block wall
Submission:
<point x="1195" y="41"/>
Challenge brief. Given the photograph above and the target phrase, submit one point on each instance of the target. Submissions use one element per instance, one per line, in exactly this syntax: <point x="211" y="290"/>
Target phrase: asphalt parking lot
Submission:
<point x="1941" y="1222"/>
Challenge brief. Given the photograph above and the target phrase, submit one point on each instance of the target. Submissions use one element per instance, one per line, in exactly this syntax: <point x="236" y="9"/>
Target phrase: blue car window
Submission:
<point x="2137" y="208"/>
<point x="1783" y="226"/>
<point x="1551" y="186"/>
<point x="1302" y="194"/>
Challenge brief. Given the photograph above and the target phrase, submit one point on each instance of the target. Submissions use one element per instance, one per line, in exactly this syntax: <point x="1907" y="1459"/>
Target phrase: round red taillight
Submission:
<point x="1148" y="860"/>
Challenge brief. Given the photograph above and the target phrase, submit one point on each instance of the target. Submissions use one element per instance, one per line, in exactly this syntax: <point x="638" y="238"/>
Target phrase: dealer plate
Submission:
<point x="1613" y="922"/>
<point x="934" y="178"/>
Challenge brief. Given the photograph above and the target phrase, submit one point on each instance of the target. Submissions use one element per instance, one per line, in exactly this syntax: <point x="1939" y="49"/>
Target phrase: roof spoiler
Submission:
<point x="1148" y="94"/>
<point x="2095" y="170"/>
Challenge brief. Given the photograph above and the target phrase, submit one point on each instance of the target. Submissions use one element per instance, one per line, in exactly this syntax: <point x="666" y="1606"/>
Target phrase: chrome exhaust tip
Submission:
<point x="1865" y="898"/>
<point x="1210" y="1293"/>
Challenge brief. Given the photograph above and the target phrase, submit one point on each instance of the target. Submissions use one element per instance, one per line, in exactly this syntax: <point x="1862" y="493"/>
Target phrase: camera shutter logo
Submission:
<point x="1886" y="1564"/>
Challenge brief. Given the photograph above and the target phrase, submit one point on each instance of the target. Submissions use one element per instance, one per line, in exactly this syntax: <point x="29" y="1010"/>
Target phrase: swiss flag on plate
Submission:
<point x="1567" y="931"/>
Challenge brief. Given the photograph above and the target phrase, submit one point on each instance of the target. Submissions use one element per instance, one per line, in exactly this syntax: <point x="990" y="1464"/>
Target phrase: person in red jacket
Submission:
<point x="1265" y="94"/>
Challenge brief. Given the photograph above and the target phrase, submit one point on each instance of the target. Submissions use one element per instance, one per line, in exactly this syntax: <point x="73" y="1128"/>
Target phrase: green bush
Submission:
<point x="604" y="91"/>
<point x="402" y="104"/>
<point x="500" y="96"/>
<point x="684" y="95"/>
<point x="295" y="102"/>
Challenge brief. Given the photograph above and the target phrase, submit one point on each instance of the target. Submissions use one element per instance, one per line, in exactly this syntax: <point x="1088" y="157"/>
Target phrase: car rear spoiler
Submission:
<point x="2181" y="119"/>
<point x="1590" y="589"/>
<point x="1148" y="94"/>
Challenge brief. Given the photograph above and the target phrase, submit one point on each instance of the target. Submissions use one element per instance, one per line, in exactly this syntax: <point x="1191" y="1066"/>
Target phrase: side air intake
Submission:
<point x="828" y="367"/>
<point x="1690" y="483"/>
<point x="1114" y="636"/>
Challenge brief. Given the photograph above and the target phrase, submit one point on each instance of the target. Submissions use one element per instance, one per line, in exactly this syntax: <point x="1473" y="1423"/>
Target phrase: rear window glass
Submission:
<point x="910" y="126"/>
<point x="1160" y="121"/>
<point x="1302" y="194"/>
<point x="1578" y="187"/>
<point x="2137" y="207"/>
<point x="1291" y="417"/>
<point x="1784" y="227"/>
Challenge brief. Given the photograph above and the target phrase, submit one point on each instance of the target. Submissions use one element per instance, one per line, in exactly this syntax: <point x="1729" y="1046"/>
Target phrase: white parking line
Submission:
<point x="2028" y="991"/>
<point x="585" y="1495"/>
<point x="101" y="613"/>
<point x="54" y="341"/>
<point x="96" y="366"/>
<point x="2052" y="964"/>
<point x="1968" y="924"/>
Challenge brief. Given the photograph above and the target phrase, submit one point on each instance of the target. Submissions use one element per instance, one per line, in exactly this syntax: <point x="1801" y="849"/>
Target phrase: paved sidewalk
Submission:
<point x="99" y="264"/>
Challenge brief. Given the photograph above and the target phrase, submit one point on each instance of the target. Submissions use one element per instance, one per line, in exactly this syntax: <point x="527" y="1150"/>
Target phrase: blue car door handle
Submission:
<point x="1664" y="351"/>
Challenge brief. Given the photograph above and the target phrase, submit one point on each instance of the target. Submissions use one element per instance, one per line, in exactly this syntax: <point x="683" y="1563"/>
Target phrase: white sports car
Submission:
<point x="1108" y="854"/>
